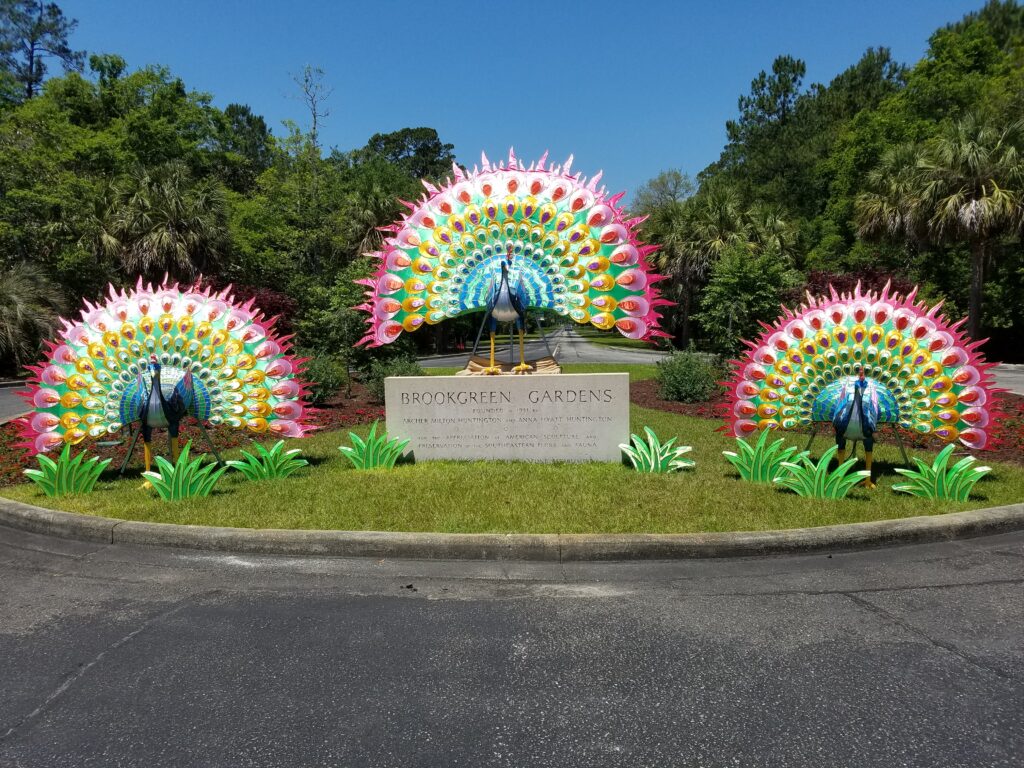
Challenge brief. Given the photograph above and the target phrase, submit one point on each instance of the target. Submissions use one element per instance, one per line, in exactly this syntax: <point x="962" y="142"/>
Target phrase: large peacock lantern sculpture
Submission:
<point x="860" y="359"/>
<point x="149" y="357"/>
<point x="505" y="239"/>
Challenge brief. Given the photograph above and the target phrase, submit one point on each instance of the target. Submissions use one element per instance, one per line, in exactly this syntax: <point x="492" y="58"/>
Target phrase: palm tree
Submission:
<point x="30" y="307"/>
<point x="160" y="221"/>
<point x="90" y="227"/>
<point x="964" y="186"/>
<point x="670" y="227"/>
<point x="889" y="208"/>
<point x="768" y="230"/>
<point x="973" y="192"/>
<point x="693" y="233"/>
<point x="364" y="213"/>
<point x="718" y="221"/>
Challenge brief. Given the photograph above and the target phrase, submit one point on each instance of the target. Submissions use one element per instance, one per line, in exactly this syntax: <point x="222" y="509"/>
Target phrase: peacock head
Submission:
<point x="154" y="363"/>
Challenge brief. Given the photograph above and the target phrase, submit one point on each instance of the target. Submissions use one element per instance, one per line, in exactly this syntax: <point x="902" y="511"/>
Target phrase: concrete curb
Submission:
<point x="488" y="546"/>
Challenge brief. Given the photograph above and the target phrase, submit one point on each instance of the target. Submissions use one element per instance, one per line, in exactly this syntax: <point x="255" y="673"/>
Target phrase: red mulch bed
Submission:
<point x="342" y="411"/>
<point x="645" y="394"/>
<point x="1006" y="436"/>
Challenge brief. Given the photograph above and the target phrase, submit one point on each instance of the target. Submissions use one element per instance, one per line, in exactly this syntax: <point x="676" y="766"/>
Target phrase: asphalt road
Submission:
<point x="112" y="656"/>
<point x="1011" y="377"/>
<point x="11" y="405"/>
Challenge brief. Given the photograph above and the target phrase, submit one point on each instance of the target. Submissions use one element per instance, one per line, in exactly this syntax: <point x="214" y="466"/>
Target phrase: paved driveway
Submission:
<point x="11" y="405"/>
<point x="1011" y="377"/>
<point x="112" y="656"/>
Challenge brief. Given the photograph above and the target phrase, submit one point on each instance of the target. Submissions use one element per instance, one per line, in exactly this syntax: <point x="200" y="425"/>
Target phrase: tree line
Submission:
<point x="910" y="173"/>
<point x="913" y="174"/>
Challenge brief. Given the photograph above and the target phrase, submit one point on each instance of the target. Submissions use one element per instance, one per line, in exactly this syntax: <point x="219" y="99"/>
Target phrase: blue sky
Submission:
<point x="632" y="88"/>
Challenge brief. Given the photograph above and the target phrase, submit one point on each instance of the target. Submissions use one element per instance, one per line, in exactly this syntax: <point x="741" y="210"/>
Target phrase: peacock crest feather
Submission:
<point x="929" y="378"/>
<point x="96" y="375"/>
<point x="570" y="250"/>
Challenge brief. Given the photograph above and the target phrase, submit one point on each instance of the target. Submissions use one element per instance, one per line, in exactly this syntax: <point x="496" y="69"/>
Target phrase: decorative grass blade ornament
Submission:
<point x="376" y="452"/>
<point x="921" y="373"/>
<point x="506" y="238"/>
<point x="272" y="464"/>
<point x="935" y="481"/>
<point x="651" y="455"/>
<point x="67" y="475"/>
<point x="761" y="462"/>
<point x="149" y="357"/>
<point x="185" y="479"/>
<point x="805" y="478"/>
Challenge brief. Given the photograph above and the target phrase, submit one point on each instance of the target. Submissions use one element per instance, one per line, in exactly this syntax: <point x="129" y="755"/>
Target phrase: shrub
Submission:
<point x="380" y="370"/>
<point x="326" y="376"/>
<point x="689" y="377"/>
<point x="744" y="289"/>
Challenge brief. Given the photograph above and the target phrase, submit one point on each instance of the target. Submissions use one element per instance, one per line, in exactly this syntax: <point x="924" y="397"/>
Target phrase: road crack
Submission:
<point x="84" y="669"/>
<point x="948" y="647"/>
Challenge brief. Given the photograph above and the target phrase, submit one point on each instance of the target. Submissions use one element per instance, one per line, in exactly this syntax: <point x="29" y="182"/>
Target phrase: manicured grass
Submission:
<point x="518" y="497"/>
<point x="614" y="339"/>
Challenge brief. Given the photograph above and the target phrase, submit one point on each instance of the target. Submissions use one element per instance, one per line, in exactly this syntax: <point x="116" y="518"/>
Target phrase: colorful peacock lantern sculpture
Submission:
<point x="149" y="357"/>
<point x="505" y="239"/>
<point x="928" y="378"/>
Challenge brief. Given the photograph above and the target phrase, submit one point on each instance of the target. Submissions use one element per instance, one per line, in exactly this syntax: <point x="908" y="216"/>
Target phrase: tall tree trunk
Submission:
<point x="977" y="282"/>
<point x="684" y="341"/>
<point x="440" y="338"/>
<point x="30" y="84"/>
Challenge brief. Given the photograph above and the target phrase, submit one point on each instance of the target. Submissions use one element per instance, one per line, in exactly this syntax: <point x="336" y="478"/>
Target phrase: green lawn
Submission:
<point x="613" y="339"/>
<point x="517" y="497"/>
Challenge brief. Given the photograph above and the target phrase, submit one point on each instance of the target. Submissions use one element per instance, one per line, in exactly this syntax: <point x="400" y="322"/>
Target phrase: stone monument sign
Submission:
<point x="567" y="417"/>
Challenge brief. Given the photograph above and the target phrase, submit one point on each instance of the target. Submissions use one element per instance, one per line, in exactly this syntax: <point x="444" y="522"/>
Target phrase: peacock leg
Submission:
<point x="868" y="458"/>
<point x="147" y="458"/>
<point x="522" y="367"/>
<point x="493" y="369"/>
<point x="174" y="449"/>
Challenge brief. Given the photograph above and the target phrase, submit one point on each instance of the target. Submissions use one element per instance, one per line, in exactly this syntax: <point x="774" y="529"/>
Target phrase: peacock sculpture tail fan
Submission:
<point x="571" y="250"/>
<point x="929" y="378"/>
<point x="96" y="375"/>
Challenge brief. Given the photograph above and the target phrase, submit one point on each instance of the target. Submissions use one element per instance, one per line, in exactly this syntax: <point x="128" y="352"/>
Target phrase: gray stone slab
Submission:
<point x="580" y="417"/>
